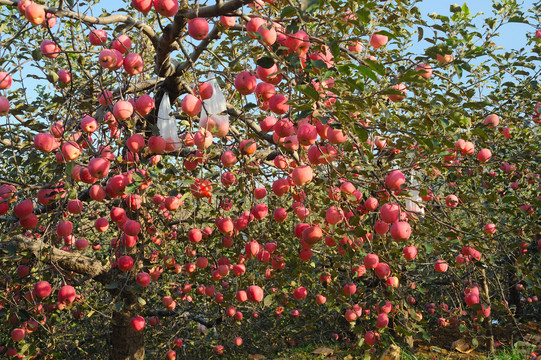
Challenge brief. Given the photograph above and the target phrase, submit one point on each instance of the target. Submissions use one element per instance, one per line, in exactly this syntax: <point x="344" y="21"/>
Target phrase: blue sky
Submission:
<point x="512" y="36"/>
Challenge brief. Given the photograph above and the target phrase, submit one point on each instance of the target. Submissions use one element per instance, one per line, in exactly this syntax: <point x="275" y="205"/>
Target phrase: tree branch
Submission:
<point x="112" y="19"/>
<point x="75" y="262"/>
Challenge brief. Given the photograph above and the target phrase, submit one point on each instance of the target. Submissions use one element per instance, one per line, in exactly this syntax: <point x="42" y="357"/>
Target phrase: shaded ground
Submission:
<point x="439" y="348"/>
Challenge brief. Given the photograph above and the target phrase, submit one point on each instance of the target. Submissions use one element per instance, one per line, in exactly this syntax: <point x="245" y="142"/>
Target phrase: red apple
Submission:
<point x="97" y="37"/>
<point x="441" y="266"/>
<point x="198" y="28"/>
<point x="228" y="21"/>
<point x="125" y="263"/>
<point x="66" y="294"/>
<point x="410" y="252"/>
<point x="18" y="334"/>
<point x="400" y="230"/>
<point x="382" y="270"/>
<point x="123" y="110"/>
<point x="398" y="98"/>
<point x="484" y="155"/>
<point x="42" y="289"/>
<point x="277" y="104"/>
<point x="451" y="201"/>
<point x="122" y="44"/>
<point x="424" y="70"/>
<point x="254" y="293"/>
<point x="395" y="179"/>
<point x="378" y="40"/>
<point x="143" y="6"/>
<point x="492" y="120"/>
<point x="137" y="323"/>
<point x="45" y="142"/>
<point x="133" y="64"/>
<point x="89" y="124"/>
<point x="300" y="293"/>
<point x="371" y="261"/>
<point x="191" y="105"/>
<point x="390" y="212"/>
<point x="35" y="13"/>
<point x="167" y="8"/>
<point x="108" y="59"/>
<point x="302" y="175"/>
<point x="245" y="83"/>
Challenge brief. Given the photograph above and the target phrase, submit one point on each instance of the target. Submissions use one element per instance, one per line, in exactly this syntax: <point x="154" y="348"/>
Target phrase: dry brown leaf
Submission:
<point x="438" y="350"/>
<point x="462" y="346"/>
<point x="257" y="357"/>
<point x="392" y="353"/>
<point x="323" y="351"/>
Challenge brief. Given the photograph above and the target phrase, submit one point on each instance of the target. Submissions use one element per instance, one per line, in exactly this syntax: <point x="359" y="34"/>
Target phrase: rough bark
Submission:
<point x="127" y="344"/>
<point x="514" y="294"/>
<point x="75" y="262"/>
<point x="488" y="320"/>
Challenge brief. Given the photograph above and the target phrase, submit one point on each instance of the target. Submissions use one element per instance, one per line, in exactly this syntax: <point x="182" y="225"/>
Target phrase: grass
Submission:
<point x="506" y="353"/>
<point x="509" y="353"/>
<point x="305" y="353"/>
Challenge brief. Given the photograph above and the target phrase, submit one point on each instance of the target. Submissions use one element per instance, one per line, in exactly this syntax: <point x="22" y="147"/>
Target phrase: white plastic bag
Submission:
<point x="212" y="117"/>
<point x="412" y="204"/>
<point x="167" y="124"/>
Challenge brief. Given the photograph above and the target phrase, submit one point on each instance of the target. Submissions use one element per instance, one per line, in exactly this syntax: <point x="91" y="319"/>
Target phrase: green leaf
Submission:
<point x="308" y="91"/>
<point x="376" y="66"/>
<point x="130" y="189"/>
<point x="309" y="5"/>
<point x="36" y="54"/>
<point x="249" y="106"/>
<point x="364" y="70"/>
<point x="267" y="301"/>
<point x="141" y="301"/>
<point x="288" y="11"/>
<point x="52" y="76"/>
<point x="420" y="33"/>
<point x="454" y="8"/>
<point x="392" y="92"/>
<point x="364" y="16"/>
<point x="480" y="133"/>
<point x="137" y="176"/>
<point x="69" y="168"/>
<point x="265" y="62"/>
<point x="509" y="199"/>
<point x="518" y="19"/>
<point x="361" y="132"/>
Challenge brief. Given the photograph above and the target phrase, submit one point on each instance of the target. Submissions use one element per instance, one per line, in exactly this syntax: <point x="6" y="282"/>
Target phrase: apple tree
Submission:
<point x="193" y="178"/>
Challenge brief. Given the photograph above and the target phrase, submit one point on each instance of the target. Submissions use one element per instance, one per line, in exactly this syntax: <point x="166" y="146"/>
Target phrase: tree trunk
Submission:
<point x="488" y="320"/>
<point x="514" y="294"/>
<point x="126" y="343"/>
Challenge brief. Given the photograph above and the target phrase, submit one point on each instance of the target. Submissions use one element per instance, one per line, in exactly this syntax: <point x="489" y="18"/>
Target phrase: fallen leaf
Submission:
<point x="438" y="350"/>
<point x="323" y="351"/>
<point x="257" y="357"/>
<point x="392" y="353"/>
<point x="462" y="346"/>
